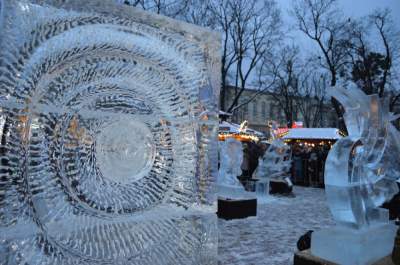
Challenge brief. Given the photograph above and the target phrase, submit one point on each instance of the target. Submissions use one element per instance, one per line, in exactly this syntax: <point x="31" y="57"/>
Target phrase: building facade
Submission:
<point x="265" y="108"/>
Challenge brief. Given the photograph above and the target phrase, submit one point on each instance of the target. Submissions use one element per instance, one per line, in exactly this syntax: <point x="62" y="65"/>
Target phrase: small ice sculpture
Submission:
<point x="360" y="174"/>
<point x="108" y="126"/>
<point x="275" y="164"/>
<point x="231" y="158"/>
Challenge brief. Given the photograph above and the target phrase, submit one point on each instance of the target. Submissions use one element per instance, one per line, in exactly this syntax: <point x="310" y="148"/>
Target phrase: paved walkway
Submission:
<point x="270" y="238"/>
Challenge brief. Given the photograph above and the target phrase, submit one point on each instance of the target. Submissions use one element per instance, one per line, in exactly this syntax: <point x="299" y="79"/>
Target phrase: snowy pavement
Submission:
<point x="270" y="238"/>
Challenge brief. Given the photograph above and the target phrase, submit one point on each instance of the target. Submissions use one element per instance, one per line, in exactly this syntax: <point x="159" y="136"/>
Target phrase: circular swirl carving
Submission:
<point x="100" y="113"/>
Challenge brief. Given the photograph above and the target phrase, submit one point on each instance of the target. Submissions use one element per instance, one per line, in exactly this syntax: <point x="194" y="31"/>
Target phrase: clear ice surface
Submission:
<point x="275" y="164"/>
<point x="108" y="129"/>
<point x="360" y="174"/>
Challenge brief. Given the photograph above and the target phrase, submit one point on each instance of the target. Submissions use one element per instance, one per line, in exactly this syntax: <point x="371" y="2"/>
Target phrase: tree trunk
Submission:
<point x="222" y="96"/>
<point x="336" y="105"/>
<point x="339" y="111"/>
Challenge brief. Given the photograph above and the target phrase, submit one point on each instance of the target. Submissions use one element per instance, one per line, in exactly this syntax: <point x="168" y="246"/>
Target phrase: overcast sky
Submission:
<point x="358" y="7"/>
<point x="351" y="8"/>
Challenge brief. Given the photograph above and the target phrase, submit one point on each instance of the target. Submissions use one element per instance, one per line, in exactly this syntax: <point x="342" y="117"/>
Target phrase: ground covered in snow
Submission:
<point x="270" y="238"/>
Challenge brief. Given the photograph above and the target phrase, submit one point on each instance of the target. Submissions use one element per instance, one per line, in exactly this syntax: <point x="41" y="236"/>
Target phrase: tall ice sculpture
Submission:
<point x="108" y="129"/>
<point x="360" y="174"/>
<point x="275" y="164"/>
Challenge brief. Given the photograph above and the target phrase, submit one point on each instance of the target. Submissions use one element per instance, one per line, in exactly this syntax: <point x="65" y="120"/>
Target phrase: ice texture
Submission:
<point x="275" y="164"/>
<point x="108" y="128"/>
<point x="360" y="174"/>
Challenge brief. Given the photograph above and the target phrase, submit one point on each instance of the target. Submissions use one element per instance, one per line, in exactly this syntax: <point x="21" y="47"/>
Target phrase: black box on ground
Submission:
<point x="279" y="187"/>
<point x="235" y="209"/>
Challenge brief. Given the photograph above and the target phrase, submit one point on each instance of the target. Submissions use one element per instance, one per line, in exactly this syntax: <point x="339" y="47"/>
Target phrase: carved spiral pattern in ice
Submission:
<point x="104" y="150"/>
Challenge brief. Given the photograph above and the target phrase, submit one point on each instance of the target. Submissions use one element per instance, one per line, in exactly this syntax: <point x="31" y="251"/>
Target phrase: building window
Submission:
<point x="271" y="111"/>
<point x="264" y="109"/>
<point x="245" y="111"/>
<point x="254" y="110"/>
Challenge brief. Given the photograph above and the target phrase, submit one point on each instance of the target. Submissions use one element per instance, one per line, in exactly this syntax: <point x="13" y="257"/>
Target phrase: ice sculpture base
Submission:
<point x="262" y="188"/>
<point x="236" y="209"/>
<point x="354" y="247"/>
<point x="262" y="192"/>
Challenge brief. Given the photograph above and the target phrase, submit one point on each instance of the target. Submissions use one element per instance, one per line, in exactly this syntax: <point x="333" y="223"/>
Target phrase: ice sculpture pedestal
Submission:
<point x="262" y="188"/>
<point x="349" y="246"/>
<point x="236" y="209"/>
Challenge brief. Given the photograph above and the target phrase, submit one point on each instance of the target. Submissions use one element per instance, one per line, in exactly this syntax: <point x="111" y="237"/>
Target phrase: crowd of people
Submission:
<point x="308" y="162"/>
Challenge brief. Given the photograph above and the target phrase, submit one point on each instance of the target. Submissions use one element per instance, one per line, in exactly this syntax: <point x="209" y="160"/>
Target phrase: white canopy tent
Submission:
<point x="251" y="131"/>
<point x="313" y="133"/>
<point x="229" y="127"/>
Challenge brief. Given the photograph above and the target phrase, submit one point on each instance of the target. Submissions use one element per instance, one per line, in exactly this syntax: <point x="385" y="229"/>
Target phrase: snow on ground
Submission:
<point x="271" y="237"/>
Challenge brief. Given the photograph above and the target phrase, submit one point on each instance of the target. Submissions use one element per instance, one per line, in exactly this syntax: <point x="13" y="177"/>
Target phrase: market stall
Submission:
<point x="310" y="147"/>
<point x="239" y="132"/>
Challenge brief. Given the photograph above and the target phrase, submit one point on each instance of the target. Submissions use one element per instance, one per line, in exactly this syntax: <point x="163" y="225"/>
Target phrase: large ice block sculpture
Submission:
<point x="275" y="164"/>
<point x="360" y="174"/>
<point x="108" y="128"/>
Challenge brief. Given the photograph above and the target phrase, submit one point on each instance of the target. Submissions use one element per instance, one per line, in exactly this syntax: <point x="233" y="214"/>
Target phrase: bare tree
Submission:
<point x="223" y="15"/>
<point x="214" y="14"/>
<point x="372" y="60"/>
<point x="346" y="43"/>
<point x="312" y="98"/>
<point x="201" y="13"/>
<point x="363" y="67"/>
<point x="255" y="31"/>
<point x="374" y="54"/>
<point x="382" y="21"/>
<point x="250" y="29"/>
<point x="296" y="85"/>
<point x="322" y="22"/>
<point x="390" y="38"/>
<point x="287" y="69"/>
<point x="170" y="8"/>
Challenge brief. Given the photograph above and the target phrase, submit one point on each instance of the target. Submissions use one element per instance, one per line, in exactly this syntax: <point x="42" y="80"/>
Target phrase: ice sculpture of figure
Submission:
<point x="231" y="158"/>
<point x="109" y="128"/>
<point x="275" y="164"/>
<point x="360" y="175"/>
